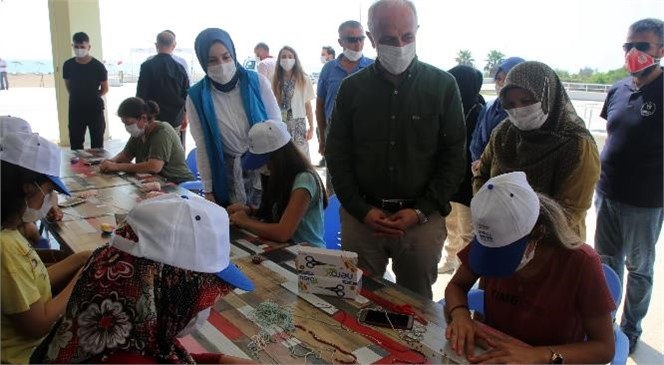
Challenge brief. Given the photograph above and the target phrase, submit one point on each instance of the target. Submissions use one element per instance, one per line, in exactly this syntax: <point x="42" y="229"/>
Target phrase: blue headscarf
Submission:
<point x="201" y="96"/>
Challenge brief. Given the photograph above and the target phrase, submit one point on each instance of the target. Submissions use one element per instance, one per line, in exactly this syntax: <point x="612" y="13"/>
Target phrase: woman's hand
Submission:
<point x="236" y="207"/>
<point x="239" y="217"/>
<point x="461" y="331"/>
<point x="210" y="196"/>
<point x="507" y="352"/>
<point x="108" y="166"/>
<point x="310" y="133"/>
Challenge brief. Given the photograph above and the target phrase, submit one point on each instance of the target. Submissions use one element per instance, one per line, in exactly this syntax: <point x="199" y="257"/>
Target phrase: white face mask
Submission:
<point x="222" y="73"/>
<point x="528" y="117"/>
<point x="352" y="55"/>
<point x="396" y="59"/>
<point x="80" y="52"/>
<point x="527" y="257"/>
<point x="287" y="63"/>
<point x="134" y="130"/>
<point x="323" y="59"/>
<point x="196" y="323"/>
<point x="33" y="215"/>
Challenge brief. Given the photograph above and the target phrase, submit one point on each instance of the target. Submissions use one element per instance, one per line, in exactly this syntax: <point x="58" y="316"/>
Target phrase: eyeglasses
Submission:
<point x="354" y="39"/>
<point x="641" y="46"/>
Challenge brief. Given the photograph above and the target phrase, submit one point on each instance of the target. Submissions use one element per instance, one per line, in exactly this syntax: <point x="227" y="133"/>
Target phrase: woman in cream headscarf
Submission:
<point x="221" y="108"/>
<point x="544" y="137"/>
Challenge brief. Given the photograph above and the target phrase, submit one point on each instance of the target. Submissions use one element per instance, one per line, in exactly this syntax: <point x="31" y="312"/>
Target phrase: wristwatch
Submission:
<point x="421" y="217"/>
<point x="556" y="357"/>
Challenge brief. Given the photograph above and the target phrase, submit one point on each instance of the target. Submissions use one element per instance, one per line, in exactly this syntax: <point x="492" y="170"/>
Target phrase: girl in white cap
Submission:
<point x="542" y="284"/>
<point x="293" y="199"/>
<point x="30" y="169"/>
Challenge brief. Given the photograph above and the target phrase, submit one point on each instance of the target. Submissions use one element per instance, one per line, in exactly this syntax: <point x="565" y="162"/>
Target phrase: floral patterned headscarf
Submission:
<point x="123" y="303"/>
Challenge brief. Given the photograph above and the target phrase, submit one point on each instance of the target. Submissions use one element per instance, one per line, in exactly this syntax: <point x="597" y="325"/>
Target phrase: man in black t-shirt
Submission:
<point x="87" y="81"/>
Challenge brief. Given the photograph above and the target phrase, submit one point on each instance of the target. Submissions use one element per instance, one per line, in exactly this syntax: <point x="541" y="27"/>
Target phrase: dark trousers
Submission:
<point x="79" y="121"/>
<point x="4" y="81"/>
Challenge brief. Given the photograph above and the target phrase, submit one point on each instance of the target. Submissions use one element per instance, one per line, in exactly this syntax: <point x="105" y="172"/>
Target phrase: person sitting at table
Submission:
<point x="542" y="284"/>
<point x="294" y="200"/>
<point x="155" y="145"/>
<point x="221" y="108"/>
<point x="165" y="268"/>
<point x="29" y="303"/>
<point x="29" y="230"/>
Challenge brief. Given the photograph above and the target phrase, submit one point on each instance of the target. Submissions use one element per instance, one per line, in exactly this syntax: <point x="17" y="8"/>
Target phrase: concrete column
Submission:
<point x="68" y="17"/>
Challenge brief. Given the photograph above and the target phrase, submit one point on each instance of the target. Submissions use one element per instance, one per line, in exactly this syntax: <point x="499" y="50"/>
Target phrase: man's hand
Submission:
<point x="404" y="219"/>
<point x="108" y="166"/>
<point x="381" y="225"/>
<point x="310" y="133"/>
<point x="321" y="147"/>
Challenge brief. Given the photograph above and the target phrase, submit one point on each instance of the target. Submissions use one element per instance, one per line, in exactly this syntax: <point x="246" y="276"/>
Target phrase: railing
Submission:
<point x="577" y="86"/>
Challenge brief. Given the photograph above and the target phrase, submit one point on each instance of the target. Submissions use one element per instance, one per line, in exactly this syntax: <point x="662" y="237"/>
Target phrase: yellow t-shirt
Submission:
<point x="24" y="281"/>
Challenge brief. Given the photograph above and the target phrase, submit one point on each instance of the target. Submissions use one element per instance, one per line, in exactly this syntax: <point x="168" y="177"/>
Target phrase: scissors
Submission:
<point x="311" y="262"/>
<point x="339" y="290"/>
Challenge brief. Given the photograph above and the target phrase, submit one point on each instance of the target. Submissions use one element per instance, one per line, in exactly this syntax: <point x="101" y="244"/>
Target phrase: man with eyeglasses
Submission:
<point x="351" y="39"/>
<point x="397" y="152"/>
<point x="630" y="191"/>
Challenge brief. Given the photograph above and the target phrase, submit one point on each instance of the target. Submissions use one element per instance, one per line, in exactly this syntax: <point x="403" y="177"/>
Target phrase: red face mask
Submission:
<point x="637" y="61"/>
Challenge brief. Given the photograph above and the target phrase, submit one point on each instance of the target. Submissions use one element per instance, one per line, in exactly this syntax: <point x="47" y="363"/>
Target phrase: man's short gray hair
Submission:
<point x="388" y="4"/>
<point x="166" y="38"/>
<point x="649" y="25"/>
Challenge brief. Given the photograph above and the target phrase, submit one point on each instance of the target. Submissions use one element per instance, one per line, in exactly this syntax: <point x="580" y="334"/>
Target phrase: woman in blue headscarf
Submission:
<point x="221" y="108"/>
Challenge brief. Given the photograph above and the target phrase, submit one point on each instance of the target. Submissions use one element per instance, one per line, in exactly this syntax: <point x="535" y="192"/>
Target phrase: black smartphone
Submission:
<point x="380" y="318"/>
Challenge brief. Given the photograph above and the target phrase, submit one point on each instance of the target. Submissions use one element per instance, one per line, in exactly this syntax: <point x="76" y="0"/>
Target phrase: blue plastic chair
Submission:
<point x="622" y="342"/>
<point x="194" y="185"/>
<point x="332" y="223"/>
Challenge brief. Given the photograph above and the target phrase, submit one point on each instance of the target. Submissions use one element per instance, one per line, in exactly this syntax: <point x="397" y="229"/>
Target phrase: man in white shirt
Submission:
<point x="267" y="63"/>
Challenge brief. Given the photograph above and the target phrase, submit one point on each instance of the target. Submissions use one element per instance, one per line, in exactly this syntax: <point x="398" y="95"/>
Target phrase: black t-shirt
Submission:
<point x="633" y="156"/>
<point x="84" y="82"/>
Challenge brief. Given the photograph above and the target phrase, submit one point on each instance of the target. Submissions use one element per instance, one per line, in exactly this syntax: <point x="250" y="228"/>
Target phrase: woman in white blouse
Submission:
<point x="294" y="93"/>
<point x="221" y="108"/>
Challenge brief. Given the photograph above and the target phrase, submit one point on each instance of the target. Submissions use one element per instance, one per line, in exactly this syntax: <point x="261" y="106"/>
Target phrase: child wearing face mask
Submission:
<point x="294" y="93"/>
<point x="157" y="280"/>
<point x="542" y="284"/>
<point x="544" y="137"/>
<point x="294" y="199"/>
<point x="155" y="145"/>
<point x="33" y="296"/>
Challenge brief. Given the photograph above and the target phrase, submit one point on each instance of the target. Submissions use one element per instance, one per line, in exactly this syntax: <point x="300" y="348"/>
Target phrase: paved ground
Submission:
<point x="37" y="105"/>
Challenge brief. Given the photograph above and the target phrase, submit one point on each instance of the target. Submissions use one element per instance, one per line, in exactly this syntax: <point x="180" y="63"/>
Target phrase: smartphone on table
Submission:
<point x="380" y="318"/>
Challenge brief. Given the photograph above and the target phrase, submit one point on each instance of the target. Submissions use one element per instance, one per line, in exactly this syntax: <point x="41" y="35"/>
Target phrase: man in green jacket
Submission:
<point x="397" y="152"/>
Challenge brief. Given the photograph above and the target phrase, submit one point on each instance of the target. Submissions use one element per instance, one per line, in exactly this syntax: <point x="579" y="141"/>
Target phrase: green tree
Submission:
<point x="464" y="57"/>
<point x="493" y="60"/>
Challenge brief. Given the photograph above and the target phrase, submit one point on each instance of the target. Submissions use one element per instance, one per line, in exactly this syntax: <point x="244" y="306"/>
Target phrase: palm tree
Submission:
<point x="493" y="60"/>
<point x="464" y="57"/>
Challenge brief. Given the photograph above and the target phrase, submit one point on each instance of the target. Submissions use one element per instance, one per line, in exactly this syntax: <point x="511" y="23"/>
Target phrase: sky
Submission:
<point x="565" y="34"/>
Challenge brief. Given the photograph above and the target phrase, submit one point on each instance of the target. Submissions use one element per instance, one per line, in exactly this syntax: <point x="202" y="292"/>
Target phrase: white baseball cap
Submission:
<point x="188" y="232"/>
<point x="264" y="138"/>
<point x="9" y="125"/>
<point x="504" y="212"/>
<point x="33" y="152"/>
